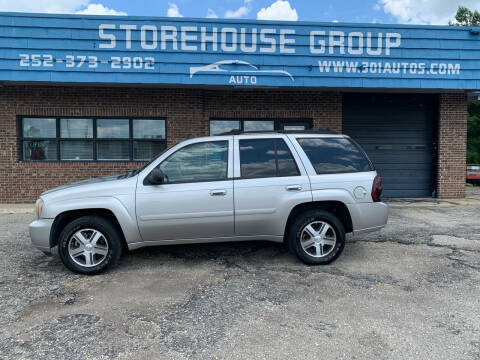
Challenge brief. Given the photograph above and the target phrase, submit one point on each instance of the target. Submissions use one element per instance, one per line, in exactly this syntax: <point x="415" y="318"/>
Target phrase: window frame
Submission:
<point x="94" y="140"/>
<point x="274" y="141"/>
<point x="277" y="123"/>
<point x="227" y="178"/>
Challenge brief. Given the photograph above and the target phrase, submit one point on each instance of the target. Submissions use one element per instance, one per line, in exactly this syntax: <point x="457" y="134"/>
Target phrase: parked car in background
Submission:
<point x="473" y="174"/>
<point x="307" y="189"/>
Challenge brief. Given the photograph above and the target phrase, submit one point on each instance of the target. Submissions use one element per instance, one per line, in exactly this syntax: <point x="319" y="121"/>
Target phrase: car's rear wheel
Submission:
<point x="89" y="245"/>
<point x="317" y="237"/>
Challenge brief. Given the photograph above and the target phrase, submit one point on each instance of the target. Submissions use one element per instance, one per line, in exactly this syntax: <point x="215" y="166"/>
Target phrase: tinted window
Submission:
<point x="286" y="163"/>
<point x="207" y="161"/>
<point x="257" y="158"/>
<point x="334" y="155"/>
<point x="266" y="158"/>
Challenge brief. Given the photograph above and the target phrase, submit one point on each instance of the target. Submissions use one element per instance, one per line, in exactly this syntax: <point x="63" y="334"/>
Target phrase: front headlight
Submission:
<point x="39" y="208"/>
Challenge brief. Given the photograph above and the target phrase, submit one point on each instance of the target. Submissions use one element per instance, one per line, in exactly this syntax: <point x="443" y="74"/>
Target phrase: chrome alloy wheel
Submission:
<point x="88" y="247"/>
<point x="318" y="239"/>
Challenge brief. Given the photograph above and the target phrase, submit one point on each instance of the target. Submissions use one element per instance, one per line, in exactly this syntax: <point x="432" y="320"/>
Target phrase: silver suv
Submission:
<point x="305" y="189"/>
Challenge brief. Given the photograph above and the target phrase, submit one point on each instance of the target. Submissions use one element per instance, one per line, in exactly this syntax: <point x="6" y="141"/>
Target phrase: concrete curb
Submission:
<point x="473" y="202"/>
<point x="17" y="208"/>
<point x="432" y="203"/>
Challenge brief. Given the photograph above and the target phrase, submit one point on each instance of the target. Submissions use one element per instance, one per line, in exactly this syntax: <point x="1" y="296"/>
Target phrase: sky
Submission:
<point x="435" y="12"/>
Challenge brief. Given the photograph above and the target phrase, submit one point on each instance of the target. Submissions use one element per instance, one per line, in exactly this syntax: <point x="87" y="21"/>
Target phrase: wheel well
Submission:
<point x="68" y="216"/>
<point x="337" y="208"/>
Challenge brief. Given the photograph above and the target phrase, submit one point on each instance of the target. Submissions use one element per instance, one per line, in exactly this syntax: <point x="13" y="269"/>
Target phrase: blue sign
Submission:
<point x="179" y="51"/>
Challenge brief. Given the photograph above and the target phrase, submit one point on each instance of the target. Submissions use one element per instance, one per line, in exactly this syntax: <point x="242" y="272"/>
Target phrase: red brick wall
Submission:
<point x="452" y="142"/>
<point x="187" y="112"/>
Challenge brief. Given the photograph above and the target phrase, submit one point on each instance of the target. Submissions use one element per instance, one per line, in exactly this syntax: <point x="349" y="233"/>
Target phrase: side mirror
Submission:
<point x="156" y="177"/>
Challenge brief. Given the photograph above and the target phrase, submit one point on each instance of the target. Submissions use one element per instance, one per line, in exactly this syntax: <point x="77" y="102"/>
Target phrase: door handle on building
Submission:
<point x="218" y="192"/>
<point x="293" y="188"/>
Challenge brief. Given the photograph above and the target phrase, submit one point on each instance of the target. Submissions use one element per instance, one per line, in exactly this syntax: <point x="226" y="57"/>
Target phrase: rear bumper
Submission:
<point x="368" y="217"/>
<point x="40" y="234"/>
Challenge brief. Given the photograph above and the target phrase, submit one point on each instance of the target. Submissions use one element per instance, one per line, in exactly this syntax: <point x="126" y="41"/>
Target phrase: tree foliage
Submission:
<point x="473" y="133"/>
<point x="466" y="17"/>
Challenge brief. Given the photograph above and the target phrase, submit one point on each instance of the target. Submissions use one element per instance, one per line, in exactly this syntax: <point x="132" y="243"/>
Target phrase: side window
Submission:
<point x="334" y="155"/>
<point x="286" y="163"/>
<point x="260" y="158"/>
<point x="206" y="161"/>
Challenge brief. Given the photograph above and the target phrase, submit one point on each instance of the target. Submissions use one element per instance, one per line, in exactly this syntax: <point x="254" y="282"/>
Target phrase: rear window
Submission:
<point x="334" y="155"/>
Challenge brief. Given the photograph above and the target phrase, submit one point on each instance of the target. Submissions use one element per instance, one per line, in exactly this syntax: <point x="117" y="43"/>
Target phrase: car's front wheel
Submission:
<point x="89" y="245"/>
<point x="317" y="237"/>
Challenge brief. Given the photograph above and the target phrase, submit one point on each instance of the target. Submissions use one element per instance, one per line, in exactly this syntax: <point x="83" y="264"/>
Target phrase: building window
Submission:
<point x="220" y="126"/>
<point x="258" y="125"/>
<point x="91" y="139"/>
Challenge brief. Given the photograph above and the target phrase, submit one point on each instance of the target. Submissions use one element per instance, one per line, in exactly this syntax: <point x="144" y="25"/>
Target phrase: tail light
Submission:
<point x="377" y="189"/>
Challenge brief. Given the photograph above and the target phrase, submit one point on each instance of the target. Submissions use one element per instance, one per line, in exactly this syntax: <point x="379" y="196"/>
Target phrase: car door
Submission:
<point x="195" y="201"/>
<point x="269" y="181"/>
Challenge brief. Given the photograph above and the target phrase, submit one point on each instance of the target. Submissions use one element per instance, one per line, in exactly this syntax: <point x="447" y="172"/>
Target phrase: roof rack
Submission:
<point x="325" y="131"/>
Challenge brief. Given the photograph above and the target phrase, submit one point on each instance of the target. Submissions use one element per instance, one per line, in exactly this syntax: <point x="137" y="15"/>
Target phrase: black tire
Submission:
<point x="111" y="237"/>
<point x="306" y="218"/>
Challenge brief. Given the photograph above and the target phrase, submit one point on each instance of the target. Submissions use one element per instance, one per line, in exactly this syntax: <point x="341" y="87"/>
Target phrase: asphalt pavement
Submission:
<point x="411" y="290"/>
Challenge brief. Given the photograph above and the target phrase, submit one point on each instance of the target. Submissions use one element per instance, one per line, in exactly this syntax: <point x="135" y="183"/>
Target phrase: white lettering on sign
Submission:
<point x="103" y="36"/>
<point x="381" y="67"/>
<point x="243" y="41"/>
<point x="392" y="40"/>
<point x="169" y="33"/>
<point x="226" y="35"/>
<point x="268" y="40"/>
<point x="370" y="50"/>
<point x="358" y="48"/>
<point x="286" y="41"/>
<point x="247" y="40"/>
<point x="186" y="37"/>
<point x="355" y="42"/>
<point x="144" y="33"/>
<point x="242" y="80"/>
<point x="336" y="38"/>
<point x="128" y="34"/>
<point x="205" y="38"/>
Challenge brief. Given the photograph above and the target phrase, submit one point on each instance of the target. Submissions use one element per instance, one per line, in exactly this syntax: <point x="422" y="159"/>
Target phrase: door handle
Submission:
<point x="218" y="192"/>
<point x="293" y="188"/>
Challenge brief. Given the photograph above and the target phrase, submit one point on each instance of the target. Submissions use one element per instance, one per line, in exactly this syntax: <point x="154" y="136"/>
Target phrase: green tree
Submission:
<point x="473" y="133"/>
<point x="466" y="17"/>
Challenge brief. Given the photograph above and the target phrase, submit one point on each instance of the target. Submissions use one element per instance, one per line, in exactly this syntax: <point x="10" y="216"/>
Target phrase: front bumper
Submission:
<point x="40" y="234"/>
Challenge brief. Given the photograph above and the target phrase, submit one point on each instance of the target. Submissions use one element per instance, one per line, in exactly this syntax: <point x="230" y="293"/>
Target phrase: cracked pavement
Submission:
<point x="411" y="290"/>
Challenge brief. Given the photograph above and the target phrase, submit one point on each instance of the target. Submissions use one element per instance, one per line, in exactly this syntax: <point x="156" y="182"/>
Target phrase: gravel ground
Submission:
<point x="409" y="291"/>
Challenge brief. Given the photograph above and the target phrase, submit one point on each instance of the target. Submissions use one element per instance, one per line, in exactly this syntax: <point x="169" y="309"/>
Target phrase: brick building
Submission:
<point x="86" y="96"/>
